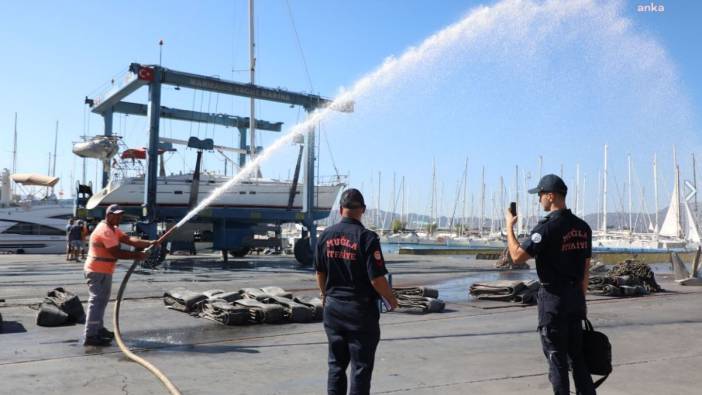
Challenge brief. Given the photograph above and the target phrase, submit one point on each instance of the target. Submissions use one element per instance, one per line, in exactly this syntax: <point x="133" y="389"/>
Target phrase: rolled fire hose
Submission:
<point x="118" y="335"/>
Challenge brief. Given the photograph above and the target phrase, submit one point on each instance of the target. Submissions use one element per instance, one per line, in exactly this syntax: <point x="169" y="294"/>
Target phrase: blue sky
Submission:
<point x="533" y="78"/>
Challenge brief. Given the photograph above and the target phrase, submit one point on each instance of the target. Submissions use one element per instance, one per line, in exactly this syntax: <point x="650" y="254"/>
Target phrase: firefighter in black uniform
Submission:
<point x="562" y="246"/>
<point x="351" y="277"/>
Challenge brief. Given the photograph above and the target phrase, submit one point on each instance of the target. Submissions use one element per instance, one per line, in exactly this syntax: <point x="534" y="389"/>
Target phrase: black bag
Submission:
<point x="60" y="307"/>
<point x="50" y="315"/>
<point x="597" y="352"/>
<point x="69" y="303"/>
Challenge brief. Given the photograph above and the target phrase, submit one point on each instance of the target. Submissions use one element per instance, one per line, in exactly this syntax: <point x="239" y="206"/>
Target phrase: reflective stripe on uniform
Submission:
<point x="97" y="258"/>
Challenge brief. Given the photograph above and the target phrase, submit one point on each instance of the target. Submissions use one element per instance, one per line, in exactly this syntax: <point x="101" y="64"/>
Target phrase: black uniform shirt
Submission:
<point x="560" y="242"/>
<point x="350" y="256"/>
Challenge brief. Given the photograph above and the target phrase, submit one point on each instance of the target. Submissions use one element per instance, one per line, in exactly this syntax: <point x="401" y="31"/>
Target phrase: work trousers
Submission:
<point x="99" y="287"/>
<point x="353" y="332"/>
<point x="561" y="314"/>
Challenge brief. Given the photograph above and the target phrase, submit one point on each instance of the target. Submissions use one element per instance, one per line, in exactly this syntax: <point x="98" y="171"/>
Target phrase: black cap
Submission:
<point x="352" y="198"/>
<point x="550" y="183"/>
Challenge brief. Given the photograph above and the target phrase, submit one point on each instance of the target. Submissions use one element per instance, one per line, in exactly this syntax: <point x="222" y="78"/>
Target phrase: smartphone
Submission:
<point x="513" y="208"/>
<point x="386" y="304"/>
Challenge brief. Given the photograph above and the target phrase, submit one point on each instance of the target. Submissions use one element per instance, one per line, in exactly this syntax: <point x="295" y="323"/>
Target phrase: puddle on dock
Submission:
<point x="218" y="266"/>
<point x="456" y="290"/>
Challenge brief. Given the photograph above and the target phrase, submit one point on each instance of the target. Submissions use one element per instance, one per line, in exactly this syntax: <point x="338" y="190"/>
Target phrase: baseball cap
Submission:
<point x="352" y="198"/>
<point x="550" y="183"/>
<point x="114" y="209"/>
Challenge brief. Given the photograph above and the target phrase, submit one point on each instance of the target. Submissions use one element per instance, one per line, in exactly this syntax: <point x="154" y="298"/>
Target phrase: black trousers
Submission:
<point x="353" y="332"/>
<point x="561" y="313"/>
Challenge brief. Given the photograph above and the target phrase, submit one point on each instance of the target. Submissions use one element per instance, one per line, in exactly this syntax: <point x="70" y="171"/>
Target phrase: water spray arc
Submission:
<point x="475" y="26"/>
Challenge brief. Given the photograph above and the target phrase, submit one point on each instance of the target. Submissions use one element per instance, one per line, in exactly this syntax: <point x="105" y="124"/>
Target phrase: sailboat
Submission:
<point x="175" y="191"/>
<point x="673" y="235"/>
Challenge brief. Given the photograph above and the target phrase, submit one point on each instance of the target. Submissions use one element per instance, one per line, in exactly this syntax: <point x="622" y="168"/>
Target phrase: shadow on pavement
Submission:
<point x="8" y="327"/>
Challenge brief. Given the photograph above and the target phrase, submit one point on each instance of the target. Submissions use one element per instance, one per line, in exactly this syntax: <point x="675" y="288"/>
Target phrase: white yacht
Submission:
<point x="32" y="226"/>
<point x="404" y="237"/>
<point x="490" y="241"/>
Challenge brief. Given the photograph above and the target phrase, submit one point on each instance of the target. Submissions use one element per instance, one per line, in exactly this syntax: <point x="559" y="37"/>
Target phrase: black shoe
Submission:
<point x="107" y="334"/>
<point x="97" y="341"/>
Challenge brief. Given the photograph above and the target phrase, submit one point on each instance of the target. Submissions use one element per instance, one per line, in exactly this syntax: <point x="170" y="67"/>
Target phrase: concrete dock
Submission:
<point x="467" y="349"/>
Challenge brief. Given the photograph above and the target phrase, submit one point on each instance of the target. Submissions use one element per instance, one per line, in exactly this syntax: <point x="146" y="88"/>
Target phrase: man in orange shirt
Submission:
<point x="102" y="258"/>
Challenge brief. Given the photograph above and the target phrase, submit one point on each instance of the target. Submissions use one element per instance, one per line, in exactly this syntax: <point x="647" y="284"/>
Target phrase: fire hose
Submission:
<point x="118" y="335"/>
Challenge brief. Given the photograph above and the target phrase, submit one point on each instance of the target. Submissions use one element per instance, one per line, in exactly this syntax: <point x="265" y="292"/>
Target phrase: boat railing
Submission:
<point x="332" y="180"/>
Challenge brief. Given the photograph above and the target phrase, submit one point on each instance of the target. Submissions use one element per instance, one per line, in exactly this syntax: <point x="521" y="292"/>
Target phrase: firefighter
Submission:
<point x="351" y="277"/>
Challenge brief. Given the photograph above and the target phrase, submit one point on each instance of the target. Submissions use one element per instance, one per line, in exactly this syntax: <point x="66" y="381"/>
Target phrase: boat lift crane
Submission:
<point x="224" y="219"/>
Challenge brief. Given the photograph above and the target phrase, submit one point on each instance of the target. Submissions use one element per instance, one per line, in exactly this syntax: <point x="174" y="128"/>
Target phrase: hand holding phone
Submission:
<point x="511" y="215"/>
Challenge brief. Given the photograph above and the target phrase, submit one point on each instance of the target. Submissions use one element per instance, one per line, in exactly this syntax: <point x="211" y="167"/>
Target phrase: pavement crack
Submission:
<point x="124" y="384"/>
<point x="481" y="380"/>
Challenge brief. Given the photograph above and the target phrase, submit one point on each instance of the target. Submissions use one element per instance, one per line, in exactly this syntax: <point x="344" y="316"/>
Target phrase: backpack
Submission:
<point x="597" y="351"/>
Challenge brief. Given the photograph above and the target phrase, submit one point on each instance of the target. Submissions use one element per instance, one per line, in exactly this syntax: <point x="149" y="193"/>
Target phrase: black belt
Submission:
<point x="359" y="299"/>
<point x="561" y="284"/>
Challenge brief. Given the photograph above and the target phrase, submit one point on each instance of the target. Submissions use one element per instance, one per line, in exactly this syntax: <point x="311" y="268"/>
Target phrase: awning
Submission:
<point x="137" y="153"/>
<point x="34" y="179"/>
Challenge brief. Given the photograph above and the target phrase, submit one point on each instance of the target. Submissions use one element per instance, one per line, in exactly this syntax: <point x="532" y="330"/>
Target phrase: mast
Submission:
<point x="516" y="199"/>
<point x="492" y="214"/>
<point x="631" y="229"/>
<point x="525" y="221"/>
<point x="377" y="211"/>
<point x="14" y="155"/>
<point x="677" y="185"/>
<point x="694" y="182"/>
<point x="655" y="190"/>
<point x="582" y="197"/>
<point x="465" y="190"/>
<point x="53" y="168"/>
<point x="502" y="197"/>
<point x="604" y="194"/>
<point x="599" y="194"/>
<point x="48" y="172"/>
<point x="482" y="202"/>
<point x="252" y="65"/>
<point x="393" y="201"/>
<point x="84" y="180"/>
<point x="433" y="193"/>
<point x="472" y="209"/>
<point x="577" y="188"/>
<point x="402" y="202"/>
<point x="642" y="205"/>
<point x="440" y="205"/>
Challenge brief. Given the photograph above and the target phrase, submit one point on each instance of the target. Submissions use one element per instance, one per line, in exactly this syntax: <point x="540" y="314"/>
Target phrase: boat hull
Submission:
<point x="175" y="192"/>
<point x="35" y="229"/>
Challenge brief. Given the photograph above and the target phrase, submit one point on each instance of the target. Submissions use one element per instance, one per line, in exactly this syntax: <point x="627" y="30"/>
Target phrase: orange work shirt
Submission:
<point x="99" y="258"/>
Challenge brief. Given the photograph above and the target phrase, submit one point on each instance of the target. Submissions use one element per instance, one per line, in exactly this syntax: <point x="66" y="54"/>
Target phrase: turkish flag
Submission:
<point x="146" y="74"/>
